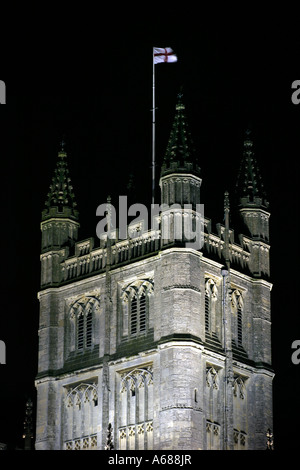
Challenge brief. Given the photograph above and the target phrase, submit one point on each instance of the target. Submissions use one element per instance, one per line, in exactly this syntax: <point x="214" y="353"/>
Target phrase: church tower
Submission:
<point x="150" y="342"/>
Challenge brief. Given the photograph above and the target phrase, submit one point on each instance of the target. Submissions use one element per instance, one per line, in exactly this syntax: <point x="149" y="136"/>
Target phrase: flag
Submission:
<point x="163" y="54"/>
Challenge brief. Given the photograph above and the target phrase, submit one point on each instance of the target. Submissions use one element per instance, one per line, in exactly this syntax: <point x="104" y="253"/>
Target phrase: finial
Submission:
<point x="180" y="94"/>
<point x="62" y="152"/>
<point x="248" y="134"/>
<point x="108" y="214"/>
<point x="180" y="104"/>
<point x="226" y="200"/>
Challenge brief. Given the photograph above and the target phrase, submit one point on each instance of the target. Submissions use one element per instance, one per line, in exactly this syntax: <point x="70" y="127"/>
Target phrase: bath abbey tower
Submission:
<point x="152" y="343"/>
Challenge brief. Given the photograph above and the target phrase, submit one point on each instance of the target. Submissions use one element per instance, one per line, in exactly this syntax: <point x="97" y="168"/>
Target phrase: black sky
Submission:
<point x="94" y="87"/>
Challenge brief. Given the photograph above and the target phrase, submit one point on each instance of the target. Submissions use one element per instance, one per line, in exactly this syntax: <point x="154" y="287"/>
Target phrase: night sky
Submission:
<point x="93" y="86"/>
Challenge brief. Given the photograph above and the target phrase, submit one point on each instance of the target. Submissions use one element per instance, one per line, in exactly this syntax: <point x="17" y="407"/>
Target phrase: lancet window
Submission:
<point x="136" y="307"/>
<point x="82" y="313"/>
<point x="237" y="304"/>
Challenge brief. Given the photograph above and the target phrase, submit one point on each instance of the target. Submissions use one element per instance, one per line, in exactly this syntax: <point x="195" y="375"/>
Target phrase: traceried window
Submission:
<point x="136" y="307"/>
<point x="135" y="414"/>
<point x="82" y="317"/>
<point x="81" y="417"/>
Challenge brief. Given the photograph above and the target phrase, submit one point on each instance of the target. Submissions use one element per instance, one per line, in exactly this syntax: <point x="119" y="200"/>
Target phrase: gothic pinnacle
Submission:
<point x="61" y="198"/>
<point x="180" y="152"/>
<point x="249" y="187"/>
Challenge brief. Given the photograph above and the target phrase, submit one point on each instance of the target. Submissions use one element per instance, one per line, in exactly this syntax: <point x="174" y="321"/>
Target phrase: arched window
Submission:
<point x="136" y="307"/>
<point x="82" y="316"/>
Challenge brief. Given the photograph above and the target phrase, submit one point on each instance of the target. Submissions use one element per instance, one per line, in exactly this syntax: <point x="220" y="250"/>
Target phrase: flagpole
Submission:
<point x="153" y="127"/>
<point x="164" y="54"/>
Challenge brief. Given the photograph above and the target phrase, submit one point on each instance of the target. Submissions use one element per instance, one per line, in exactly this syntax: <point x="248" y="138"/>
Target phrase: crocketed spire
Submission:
<point x="60" y="200"/>
<point x="249" y="187"/>
<point x="180" y="152"/>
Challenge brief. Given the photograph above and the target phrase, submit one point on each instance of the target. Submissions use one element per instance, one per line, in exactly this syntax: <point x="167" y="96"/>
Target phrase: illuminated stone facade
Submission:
<point x="169" y="345"/>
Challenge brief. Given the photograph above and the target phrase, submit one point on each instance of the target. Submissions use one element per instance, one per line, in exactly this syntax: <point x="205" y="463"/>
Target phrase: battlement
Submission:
<point x="251" y="257"/>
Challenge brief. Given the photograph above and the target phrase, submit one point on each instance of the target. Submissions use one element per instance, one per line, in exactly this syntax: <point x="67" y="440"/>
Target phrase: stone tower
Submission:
<point x="165" y="345"/>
